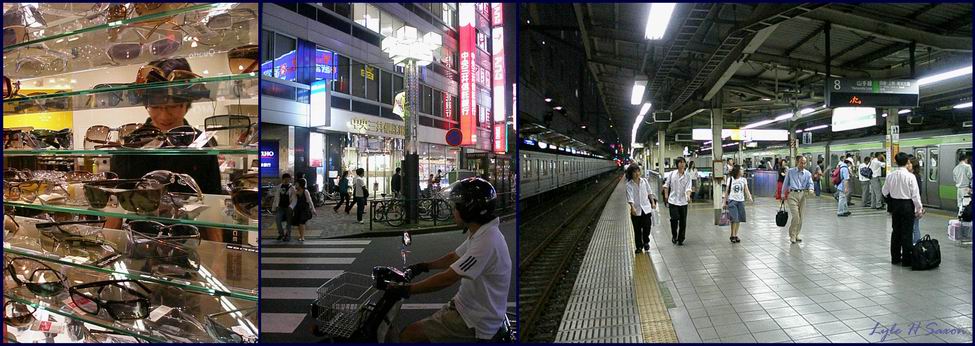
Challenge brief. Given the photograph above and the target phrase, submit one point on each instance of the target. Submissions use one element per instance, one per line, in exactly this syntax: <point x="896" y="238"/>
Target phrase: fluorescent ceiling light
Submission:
<point x="639" y="86"/>
<point x="783" y="117"/>
<point x="963" y="105"/>
<point x="548" y="99"/>
<point x="798" y="131"/>
<point x="739" y="135"/>
<point x="944" y="76"/>
<point x="729" y="144"/>
<point x="558" y="108"/>
<point x="760" y="123"/>
<point x="904" y="111"/>
<point x="814" y="128"/>
<point x="645" y="109"/>
<point x="658" y="20"/>
<point x="543" y="145"/>
<point x="805" y="111"/>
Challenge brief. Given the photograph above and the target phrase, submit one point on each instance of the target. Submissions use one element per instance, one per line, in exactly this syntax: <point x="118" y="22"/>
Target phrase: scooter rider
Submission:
<point x="481" y="263"/>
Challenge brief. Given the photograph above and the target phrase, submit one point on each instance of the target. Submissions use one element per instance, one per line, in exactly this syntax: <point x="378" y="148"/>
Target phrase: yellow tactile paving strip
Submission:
<point x="655" y="322"/>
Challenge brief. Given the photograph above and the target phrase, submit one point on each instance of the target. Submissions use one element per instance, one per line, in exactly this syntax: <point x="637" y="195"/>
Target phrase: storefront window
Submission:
<point x="386" y="87"/>
<point x="397" y="84"/>
<point x="285" y="61"/>
<point x="371" y="74"/>
<point x="325" y="64"/>
<point x="341" y="83"/>
<point x="267" y="59"/>
<point x="437" y="103"/>
<point x="372" y="18"/>
<point x="378" y="156"/>
<point x="425" y="104"/>
<point x="358" y="79"/>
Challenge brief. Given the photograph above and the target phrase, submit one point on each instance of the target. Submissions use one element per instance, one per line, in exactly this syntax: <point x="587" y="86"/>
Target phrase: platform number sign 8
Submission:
<point x="836" y="84"/>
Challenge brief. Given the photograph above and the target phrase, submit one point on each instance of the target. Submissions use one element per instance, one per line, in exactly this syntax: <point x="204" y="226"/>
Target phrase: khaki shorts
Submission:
<point x="446" y="325"/>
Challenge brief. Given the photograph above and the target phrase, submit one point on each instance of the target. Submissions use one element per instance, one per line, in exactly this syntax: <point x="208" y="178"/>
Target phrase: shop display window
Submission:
<point x="100" y="188"/>
<point x="371" y="74"/>
<point x="358" y="79"/>
<point x="386" y="88"/>
<point x="341" y="83"/>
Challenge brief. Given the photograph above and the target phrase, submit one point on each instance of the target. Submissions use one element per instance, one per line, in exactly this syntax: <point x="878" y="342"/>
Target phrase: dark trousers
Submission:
<point x="360" y="207"/>
<point x="902" y="217"/>
<point x="641" y="229"/>
<point x="678" y="221"/>
<point x="351" y="203"/>
<point x="343" y="197"/>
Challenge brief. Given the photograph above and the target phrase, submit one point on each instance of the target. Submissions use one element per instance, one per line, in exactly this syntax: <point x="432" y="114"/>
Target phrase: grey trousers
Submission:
<point x="865" y="195"/>
<point x="878" y="198"/>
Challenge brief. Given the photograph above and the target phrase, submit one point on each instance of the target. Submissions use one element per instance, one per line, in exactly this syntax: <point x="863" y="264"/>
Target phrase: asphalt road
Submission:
<point x="291" y="273"/>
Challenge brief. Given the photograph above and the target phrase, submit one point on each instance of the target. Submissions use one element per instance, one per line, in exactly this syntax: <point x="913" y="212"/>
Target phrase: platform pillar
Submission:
<point x="891" y="141"/>
<point x="661" y="136"/>
<point x="717" y="162"/>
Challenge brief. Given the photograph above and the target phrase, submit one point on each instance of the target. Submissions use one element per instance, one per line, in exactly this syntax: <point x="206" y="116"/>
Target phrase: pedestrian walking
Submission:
<point x="876" y="167"/>
<point x="695" y="179"/>
<point x="396" y="182"/>
<point x="843" y="188"/>
<point x="781" y="168"/>
<point x="677" y="188"/>
<point x="302" y="208"/>
<point x="343" y="193"/>
<point x="818" y="176"/>
<point x="963" y="180"/>
<point x="798" y="184"/>
<point x="642" y="202"/>
<point x="865" y="182"/>
<point x="359" y="195"/>
<point x="281" y="206"/>
<point x="905" y="205"/>
<point x="734" y="200"/>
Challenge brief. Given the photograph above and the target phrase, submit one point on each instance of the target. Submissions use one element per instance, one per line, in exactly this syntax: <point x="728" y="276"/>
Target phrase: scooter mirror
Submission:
<point x="406" y="239"/>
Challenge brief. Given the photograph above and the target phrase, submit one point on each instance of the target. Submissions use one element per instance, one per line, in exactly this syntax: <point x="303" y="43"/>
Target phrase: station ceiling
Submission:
<point x="754" y="60"/>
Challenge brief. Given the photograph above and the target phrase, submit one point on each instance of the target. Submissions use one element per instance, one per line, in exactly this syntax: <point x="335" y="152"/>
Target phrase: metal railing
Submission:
<point x="392" y="211"/>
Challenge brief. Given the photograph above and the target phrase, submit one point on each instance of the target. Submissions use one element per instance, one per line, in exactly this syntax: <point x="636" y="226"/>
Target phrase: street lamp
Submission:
<point x="408" y="49"/>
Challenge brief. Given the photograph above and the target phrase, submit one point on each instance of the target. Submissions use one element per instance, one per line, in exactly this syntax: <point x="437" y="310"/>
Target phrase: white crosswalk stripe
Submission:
<point x="294" y="273"/>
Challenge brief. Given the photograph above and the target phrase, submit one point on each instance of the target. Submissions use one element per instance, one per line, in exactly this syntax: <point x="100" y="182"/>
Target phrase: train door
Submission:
<point x="928" y="158"/>
<point x="856" y="189"/>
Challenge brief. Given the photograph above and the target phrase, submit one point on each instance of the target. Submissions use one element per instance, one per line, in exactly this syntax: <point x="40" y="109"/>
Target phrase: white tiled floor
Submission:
<point x="835" y="286"/>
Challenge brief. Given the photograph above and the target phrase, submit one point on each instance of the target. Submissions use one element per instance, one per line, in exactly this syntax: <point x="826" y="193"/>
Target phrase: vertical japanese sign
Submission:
<point x="468" y="69"/>
<point x="498" y="83"/>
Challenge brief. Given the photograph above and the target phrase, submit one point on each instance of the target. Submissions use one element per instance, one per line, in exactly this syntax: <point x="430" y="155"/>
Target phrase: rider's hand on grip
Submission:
<point x="419" y="268"/>
<point x="398" y="290"/>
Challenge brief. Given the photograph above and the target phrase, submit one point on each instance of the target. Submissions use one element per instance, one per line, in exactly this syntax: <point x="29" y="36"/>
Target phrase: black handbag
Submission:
<point x="782" y="217"/>
<point x="926" y="254"/>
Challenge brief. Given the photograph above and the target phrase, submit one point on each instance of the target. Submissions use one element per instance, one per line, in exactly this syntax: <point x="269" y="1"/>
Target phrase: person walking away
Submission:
<point x="695" y="179"/>
<point x="865" y="183"/>
<point x="963" y="180"/>
<point x="781" y="179"/>
<point x="905" y="206"/>
<point x="798" y="184"/>
<point x="301" y="206"/>
<point x="843" y="189"/>
<point x="734" y="200"/>
<point x="396" y="182"/>
<point x="642" y="202"/>
<point x="282" y="205"/>
<point x="818" y="176"/>
<point x="677" y="188"/>
<point x="359" y="195"/>
<point x="343" y="193"/>
<point x="876" y="165"/>
<point x="914" y="166"/>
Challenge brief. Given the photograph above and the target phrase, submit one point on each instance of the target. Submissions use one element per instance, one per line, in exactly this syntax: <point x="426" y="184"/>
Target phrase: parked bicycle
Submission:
<point x="391" y="211"/>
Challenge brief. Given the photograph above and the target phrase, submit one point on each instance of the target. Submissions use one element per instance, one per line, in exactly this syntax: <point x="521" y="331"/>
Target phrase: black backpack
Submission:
<point x="966" y="212"/>
<point x="866" y="172"/>
<point x="927" y="254"/>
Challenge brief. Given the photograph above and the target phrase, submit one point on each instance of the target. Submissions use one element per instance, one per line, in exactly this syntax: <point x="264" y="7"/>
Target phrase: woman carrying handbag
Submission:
<point x="301" y="207"/>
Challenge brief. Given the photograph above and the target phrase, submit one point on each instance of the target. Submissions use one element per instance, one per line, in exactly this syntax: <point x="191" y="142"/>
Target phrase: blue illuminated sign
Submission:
<point x="268" y="160"/>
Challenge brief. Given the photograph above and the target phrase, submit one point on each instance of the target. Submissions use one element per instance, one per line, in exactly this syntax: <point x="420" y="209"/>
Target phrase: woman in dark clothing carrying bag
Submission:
<point x="301" y="207"/>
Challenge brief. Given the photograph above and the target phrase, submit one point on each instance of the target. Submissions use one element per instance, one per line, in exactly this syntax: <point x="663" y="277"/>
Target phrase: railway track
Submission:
<point x="553" y="244"/>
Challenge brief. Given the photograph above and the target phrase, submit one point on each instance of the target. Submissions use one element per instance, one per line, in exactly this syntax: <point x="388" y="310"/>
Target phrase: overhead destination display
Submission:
<point x="871" y="93"/>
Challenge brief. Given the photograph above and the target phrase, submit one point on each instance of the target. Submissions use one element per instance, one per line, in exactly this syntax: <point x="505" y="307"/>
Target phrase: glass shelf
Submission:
<point x="156" y="151"/>
<point x="212" y="215"/>
<point x="220" y="88"/>
<point x="187" y="306"/>
<point x="80" y="34"/>
<point x="223" y="272"/>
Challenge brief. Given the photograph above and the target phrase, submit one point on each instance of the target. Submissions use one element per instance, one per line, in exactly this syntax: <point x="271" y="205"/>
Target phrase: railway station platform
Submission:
<point x="837" y="285"/>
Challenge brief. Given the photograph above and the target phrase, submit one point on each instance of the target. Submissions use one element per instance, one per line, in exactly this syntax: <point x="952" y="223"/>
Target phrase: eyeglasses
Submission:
<point x="10" y="88"/>
<point x="26" y="191"/>
<point x="55" y="139"/>
<point x="151" y="137"/>
<point x="216" y="325"/>
<point x="73" y="228"/>
<point x="237" y="126"/>
<point x="110" y="98"/>
<point x="100" y="136"/>
<point x="165" y="46"/>
<point x="169" y="250"/>
<point x="19" y="138"/>
<point x="152" y="74"/>
<point x="243" y="59"/>
<point x="183" y="235"/>
<point x="246" y="202"/>
<point x="16" y="21"/>
<point x="39" y="278"/>
<point x="82" y="176"/>
<point x="122" y="299"/>
<point x="18" y="314"/>
<point x="134" y="195"/>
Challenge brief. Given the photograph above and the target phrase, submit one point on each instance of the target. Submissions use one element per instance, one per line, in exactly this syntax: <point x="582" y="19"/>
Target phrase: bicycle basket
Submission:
<point x="342" y="303"/>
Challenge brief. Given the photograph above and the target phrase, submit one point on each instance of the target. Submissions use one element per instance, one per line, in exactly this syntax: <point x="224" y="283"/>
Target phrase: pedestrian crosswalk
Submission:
<point x="291" y="274"/>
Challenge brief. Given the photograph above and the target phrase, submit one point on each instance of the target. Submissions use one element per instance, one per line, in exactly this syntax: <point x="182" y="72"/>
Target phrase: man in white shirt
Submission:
<point x="482" y="264"/>
<point x="864" y="182"/>
<point x="877" y="166"/>
<point x="963" y="180"/>
<point x="905" y="206"/>
<point x="642" y="202"/>
<point x="677" y="188"/>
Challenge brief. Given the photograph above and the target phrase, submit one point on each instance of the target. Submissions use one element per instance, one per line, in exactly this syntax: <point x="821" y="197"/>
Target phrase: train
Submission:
<point x="937" y="151"/>
<point x="542" y="172"/>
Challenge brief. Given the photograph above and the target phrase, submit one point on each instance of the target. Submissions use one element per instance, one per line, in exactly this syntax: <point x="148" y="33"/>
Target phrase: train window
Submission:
<point x="542" y="167"/>
<point x="933" y="168"/>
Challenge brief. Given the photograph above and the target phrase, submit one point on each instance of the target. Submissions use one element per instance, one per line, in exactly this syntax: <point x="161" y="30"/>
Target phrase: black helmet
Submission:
<point x="475" y="199"/>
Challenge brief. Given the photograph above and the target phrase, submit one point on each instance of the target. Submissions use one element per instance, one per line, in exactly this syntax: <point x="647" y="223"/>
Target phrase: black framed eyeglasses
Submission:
<point x="39" y="278"/>
<point x="122" y="299"/>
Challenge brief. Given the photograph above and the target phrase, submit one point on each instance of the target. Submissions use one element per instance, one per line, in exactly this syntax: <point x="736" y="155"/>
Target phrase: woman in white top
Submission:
<point x="642" y="202"/>
<point x="358" y="195"/>
<point x="695" y="179"/>
<point x="734" y="200"/>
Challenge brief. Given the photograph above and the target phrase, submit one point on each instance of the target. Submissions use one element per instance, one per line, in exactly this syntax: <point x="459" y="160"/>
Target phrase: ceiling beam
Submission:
<point x="803" y="40"/>
<point x="757" y="40"/>
<point x="580" y="18"/>
<point x="889" y="31"/>
<point x="877" y="54"/>
<point x="864" y="41"/>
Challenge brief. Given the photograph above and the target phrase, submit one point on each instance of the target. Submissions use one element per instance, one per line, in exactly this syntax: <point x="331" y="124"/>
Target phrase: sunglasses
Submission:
<point x="237" y="126"/>
<point x="81" y="228"/>
<point x="17" y="21"/>
<point x="169" y="250"/>
<point x="165" y="46"/>
<point x="243" y="59"/>
<point x="134" y="195"/>
<point x="246" y="202"/>
<point x="31" y="104"/>
<point x="100" y="136"/>
<point x="122" y="299"/>
<point x="39" y="278"/>
<point x="104" y="99"/>
<point x="18" y="314"/>
<point x="10" y="88"/>
<point x="54" y="139"/>
<point x="26" y="191"/>
<point x="20" y="138"/>
<point x="246" y="181"/>
<point x="151" y="137"/>
<point x="166" y="178"/>
<point x="216" y="325"/>
<point x="82" y="176"/>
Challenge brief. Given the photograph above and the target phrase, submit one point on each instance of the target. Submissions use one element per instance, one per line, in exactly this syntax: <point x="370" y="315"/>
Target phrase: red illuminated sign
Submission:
<point x="498" y="82"/>
<point x="468" y="72"/>
<point x="855" y="101"/>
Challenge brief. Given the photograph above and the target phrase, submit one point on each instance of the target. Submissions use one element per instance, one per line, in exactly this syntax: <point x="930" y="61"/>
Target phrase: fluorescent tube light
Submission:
<point x="645" y="109"/>
<point x="658" y="20"/>
<point x="963" y="105"/>
<point x="904" y="111"/>
<point x="944" y="76"/>
<point x="639" y="86"/>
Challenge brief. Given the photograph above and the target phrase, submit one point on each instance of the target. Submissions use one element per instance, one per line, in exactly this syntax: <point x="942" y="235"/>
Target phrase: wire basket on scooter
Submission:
<point x="343" y="302"/>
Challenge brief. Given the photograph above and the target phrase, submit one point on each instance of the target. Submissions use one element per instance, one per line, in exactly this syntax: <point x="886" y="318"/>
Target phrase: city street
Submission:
<point x="291" y="273"/>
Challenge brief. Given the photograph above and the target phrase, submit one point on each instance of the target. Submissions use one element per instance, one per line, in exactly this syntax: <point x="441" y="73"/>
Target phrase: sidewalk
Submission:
<point x="329" y="224"/>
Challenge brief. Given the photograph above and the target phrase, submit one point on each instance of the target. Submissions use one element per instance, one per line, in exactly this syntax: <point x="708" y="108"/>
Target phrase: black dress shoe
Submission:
<point x="280" y="237"/>
<point x="639" y="250"/>
<point x="646" y="247"/>
<point x="672" y="240"/>
<point x="681" y="243"/>
<point x="895" y="261"/>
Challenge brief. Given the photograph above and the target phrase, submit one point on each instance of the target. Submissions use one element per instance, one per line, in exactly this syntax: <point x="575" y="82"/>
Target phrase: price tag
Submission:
<point x="159" y="312"/>
<point x="86" y="304"/>
<point x="245" y="332"/>
<point x="202" y="140"/>
<point x="75" y="259"/>
<point x="48" y="327"/>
